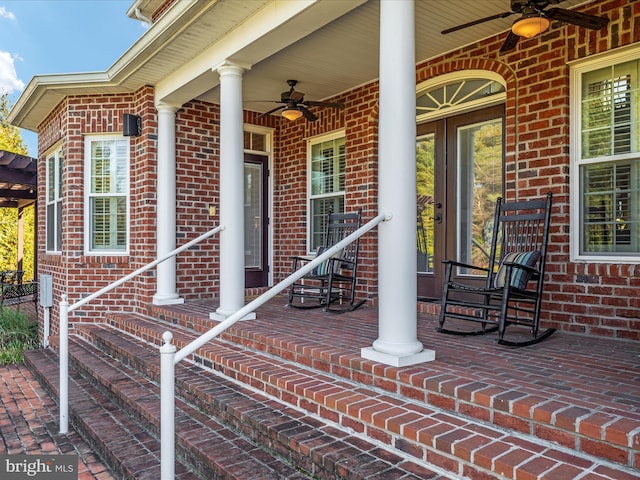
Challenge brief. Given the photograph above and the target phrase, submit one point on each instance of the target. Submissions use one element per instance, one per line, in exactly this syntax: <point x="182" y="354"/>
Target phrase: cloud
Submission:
<point x="4" y="13"/>
<point x="9" y="81"/>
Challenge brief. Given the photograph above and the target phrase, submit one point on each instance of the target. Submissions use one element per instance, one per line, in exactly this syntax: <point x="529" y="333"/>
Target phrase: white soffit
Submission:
<point x="330" y="46"/>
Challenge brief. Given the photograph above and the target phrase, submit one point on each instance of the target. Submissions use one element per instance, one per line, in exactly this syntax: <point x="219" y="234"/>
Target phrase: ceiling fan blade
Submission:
<point x="307" y="114"/>
<point x="510" y="42"/>
<point x="577" y="18"/>
<point x="476" y="22"/>
<point x="324" y="104"/>
<point x="266" y="114"/>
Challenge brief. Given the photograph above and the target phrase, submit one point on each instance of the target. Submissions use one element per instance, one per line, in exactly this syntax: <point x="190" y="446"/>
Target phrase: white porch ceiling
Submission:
<point x="329" y="46"/>
<point x="344" y="54"/>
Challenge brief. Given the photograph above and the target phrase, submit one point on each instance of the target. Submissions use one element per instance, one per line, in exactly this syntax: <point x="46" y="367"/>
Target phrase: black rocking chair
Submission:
<point x="333" y="282"/>
<point x="512" y="294"/>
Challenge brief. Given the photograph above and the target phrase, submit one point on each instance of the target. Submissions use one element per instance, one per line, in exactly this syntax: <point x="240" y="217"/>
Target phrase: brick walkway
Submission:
<point x="29" y="424"/>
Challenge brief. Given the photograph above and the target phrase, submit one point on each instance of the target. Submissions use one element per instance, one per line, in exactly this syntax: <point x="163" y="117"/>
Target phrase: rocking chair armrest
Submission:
<point x="341" y="260"/>
<point x="304" y="258"/>
<point x="298" y="261"/>
<point x="455" y="263"/>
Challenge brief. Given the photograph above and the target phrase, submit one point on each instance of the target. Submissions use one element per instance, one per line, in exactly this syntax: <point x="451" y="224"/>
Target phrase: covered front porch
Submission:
<point x="290" y="386"/>
<point x="569" y="404"/>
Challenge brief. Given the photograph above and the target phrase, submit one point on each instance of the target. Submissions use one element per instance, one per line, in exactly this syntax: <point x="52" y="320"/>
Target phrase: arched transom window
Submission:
<point x="457" y="92"/>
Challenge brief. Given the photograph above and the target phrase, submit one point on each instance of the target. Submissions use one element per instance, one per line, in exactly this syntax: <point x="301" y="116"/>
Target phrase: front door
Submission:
<point x="256" y="221"/>
<point x="459" y="175"/>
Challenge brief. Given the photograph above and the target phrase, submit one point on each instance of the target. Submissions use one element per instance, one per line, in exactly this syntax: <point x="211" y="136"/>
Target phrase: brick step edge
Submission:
<point x="117" y="439"/>
<point x="590" y="428"/>
<point x="330" y="454"/>
<point x="457" y="445"/>
<point x="227" y="453"/>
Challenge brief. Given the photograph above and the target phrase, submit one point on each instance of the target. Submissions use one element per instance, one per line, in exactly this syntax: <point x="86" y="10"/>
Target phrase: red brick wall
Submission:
<point x="596" y="299"/>
<point x="74" y="273"/>
<point x="290" y="202"/>
<point x="197" y="180"/>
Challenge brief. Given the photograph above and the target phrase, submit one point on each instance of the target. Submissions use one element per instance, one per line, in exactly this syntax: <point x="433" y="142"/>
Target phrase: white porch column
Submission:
<point x="166" y="215"/>
<point x="397" y="342"/>
<point x="231" y="192"/>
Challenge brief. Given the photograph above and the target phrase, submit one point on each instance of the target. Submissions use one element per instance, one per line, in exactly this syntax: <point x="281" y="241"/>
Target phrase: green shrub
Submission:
<point x="17" y="333"/>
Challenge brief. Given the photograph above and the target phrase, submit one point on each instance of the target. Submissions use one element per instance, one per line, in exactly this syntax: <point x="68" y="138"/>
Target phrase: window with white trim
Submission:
<point x="54" y="202"/>
<point x="606" y="164"/>
<point x="107" y="195"/>
<point x="327" y="159"/>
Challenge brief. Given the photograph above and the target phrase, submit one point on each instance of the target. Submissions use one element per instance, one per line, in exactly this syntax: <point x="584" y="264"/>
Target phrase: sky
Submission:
<point x="40" y="37"/>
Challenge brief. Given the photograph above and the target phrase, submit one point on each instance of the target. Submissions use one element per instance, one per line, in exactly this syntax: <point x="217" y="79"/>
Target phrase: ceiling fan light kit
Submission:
<point x="295" y="106"/>
<point x="535" y="19"/>
<point x="291" y="114"/>
<point x="528" y="26"/>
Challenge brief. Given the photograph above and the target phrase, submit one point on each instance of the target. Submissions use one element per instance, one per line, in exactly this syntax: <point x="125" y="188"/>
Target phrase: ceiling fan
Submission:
<point x="534" y="19"/>
<point x="295" y="106"/>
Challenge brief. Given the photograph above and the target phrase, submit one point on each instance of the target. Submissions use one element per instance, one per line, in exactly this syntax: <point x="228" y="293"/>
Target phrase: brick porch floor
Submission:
<point x="565" y="368"/>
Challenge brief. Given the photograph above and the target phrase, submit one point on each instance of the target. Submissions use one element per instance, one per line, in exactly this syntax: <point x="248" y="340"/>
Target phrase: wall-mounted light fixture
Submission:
<point x="131" y="125"/>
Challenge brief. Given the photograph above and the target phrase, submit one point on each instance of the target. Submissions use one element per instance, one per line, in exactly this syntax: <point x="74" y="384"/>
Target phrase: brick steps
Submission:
<point x="553" y="396"/>
<point x="102" y="390"/>
<point x="460" y="445"/>
<point x="304" y="440"/>
<point x="325" y="451"/>
<point x="114" y="436"/>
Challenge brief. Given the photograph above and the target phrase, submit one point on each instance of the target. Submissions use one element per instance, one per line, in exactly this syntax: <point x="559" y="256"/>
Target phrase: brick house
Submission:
<point x="172" y="141"/>
<point x="171" y="178"/>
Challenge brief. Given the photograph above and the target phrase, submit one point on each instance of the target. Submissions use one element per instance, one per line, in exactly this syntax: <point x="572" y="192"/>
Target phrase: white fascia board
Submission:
<point x="44" y="92"/>
<point x="159" y="34"/>
<point x="60" y="84"/>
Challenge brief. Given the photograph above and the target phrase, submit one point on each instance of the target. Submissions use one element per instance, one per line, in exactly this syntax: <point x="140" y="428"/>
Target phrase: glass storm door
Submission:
<point x="459" y="176"/>
<point x="255" y="221"/>
<point x="429" y="220"/>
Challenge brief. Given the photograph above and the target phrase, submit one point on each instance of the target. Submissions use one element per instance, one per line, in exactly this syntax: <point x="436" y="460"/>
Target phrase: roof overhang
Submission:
<point x="144" y="9"/>
<point x="177" y="50"/>
<point x="330" y="46"/>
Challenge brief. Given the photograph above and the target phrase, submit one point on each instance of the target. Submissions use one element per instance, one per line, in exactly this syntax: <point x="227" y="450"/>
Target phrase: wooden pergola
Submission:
<point x="18" y="189"/>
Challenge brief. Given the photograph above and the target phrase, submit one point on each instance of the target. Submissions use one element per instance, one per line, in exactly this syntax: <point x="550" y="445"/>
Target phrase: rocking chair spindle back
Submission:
<point x="512" y="295"/>
<point x="332" y="284"/>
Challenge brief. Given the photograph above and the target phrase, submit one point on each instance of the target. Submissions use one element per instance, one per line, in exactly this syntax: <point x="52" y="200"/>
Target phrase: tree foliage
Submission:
<point x="480" y="177"/>
<point x="425" y="189"/>
<point x="11" y="141"/>
<point x="10" y="138"/>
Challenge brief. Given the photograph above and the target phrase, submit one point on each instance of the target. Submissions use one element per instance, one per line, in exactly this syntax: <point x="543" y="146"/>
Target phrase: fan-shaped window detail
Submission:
<point x="458" y="92"/>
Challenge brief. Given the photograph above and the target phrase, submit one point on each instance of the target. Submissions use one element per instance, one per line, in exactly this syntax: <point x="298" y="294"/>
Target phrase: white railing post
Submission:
<point x="168" y="355"/>
<point x="65" y="309"/>
<point x="167" y="408"/>
<point x="64" y="365"/>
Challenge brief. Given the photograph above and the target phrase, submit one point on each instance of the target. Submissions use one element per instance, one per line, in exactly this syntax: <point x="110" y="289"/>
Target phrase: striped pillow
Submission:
<point x="519" y="276"/>
<point x="323" y="268"/>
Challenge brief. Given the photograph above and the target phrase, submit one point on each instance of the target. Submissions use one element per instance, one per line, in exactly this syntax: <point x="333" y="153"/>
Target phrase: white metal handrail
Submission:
<point x="65" y="308"/>
<point x="169" y="358"/>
